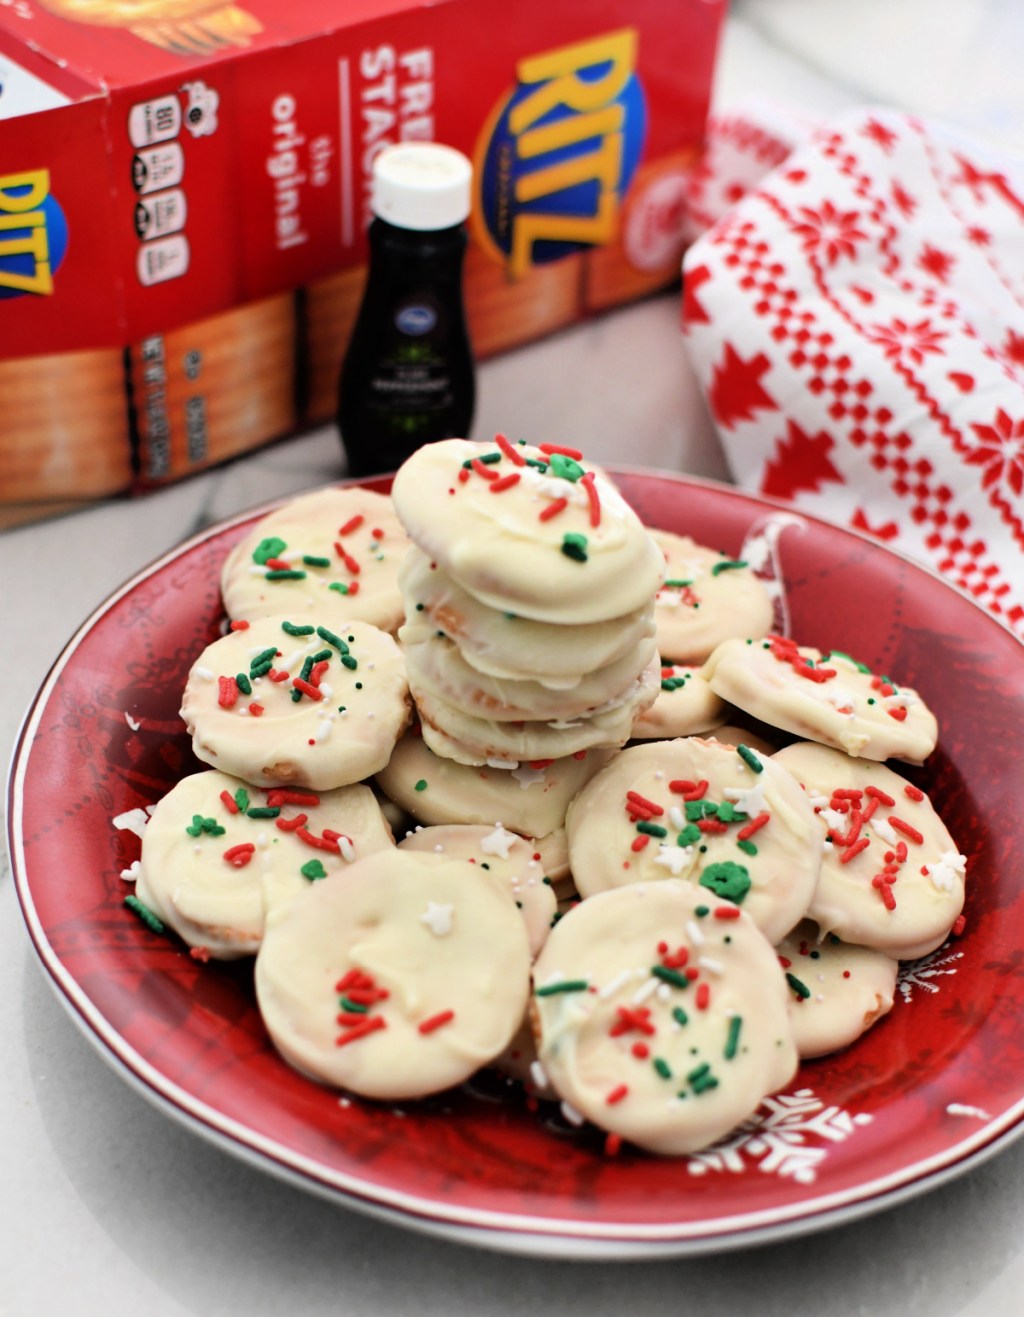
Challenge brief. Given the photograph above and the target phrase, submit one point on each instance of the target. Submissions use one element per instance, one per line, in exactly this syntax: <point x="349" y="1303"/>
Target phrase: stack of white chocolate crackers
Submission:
<point x="725" y="908"/>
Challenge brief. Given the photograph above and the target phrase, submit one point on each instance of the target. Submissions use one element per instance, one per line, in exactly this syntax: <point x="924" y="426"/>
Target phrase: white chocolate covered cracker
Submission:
<point x="685" y="706"/>
<point x="216" y="852"/>
<point x="731" y="823"/>
<point x="332" y="555"/>
<point x="891" y="875"/>
<point x="837" y="991"/>
<point x="282" y="703"/>
<point x="507" y="857"/>
<point x="827" y="697"/>
<point x="661" y="1015"/>
<point x="528" y="530"/>
<point x="706" y="597"/>
<point x="400" y="981"/>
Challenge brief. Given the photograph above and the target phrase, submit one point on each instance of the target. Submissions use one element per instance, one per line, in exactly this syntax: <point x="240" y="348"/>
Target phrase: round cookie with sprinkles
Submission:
<point x="506" y="645"/>
<point x="531" y="798"/>
<point x="527" y="530"/>
<point x="435" y="665"/>
<point x="398" y="982"/>
<point x="217" y="852"/>
<point x="891" y="875"/>
<point x="826" y="697"/>
<point x="706" y="597"/>
<point x="732" y="824"/>
<point x="685" y="706"/>
<point x="332" y="555"/>
<point x="661" y="1015"/>
<point x="505" y="856"/>
<point x="449" y="731"/>
<point x="285" y="703"/>
<point x="837" y="991"/>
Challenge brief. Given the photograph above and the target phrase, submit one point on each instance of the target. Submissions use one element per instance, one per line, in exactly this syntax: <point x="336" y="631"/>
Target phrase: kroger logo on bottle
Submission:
<point x="558" y="154"/>
<point x="33" y="234"/>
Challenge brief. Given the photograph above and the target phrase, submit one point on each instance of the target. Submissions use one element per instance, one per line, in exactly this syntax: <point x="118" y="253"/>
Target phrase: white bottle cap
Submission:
<point x="421" y="185"/>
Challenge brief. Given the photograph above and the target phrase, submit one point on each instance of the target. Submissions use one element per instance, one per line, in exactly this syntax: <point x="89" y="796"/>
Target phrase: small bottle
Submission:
<point x="408" y="375"/>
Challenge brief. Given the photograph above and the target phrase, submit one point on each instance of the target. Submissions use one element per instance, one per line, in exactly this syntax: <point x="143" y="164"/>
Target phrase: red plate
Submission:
<point x="934" y="1089"/>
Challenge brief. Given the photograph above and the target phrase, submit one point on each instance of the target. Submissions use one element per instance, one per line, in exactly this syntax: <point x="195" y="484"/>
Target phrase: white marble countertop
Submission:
<point x="108" y="1207"/>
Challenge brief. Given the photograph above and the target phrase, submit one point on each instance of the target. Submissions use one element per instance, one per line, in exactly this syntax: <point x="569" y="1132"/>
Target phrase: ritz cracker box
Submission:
<point x="184" y="197"/>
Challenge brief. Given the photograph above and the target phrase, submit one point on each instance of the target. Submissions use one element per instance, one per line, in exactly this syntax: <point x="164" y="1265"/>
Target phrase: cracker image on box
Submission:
<point x="282" y="703"/>
<point x="661" y="1015"/>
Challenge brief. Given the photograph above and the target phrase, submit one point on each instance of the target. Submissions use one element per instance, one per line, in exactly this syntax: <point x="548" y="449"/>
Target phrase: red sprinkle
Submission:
<point x="915" y="793"/>
<point x="353" y="588"/>
<point x="703" y="998"/>
<point x="509" y="450"/>
<point x="240" y="855"/>
<point x="290" y="825"/>
<point x="228" y="801"/>
<point x="278" y="564"/>
<point x="748" y="829"/>
<point x="593" y="499"/>
<point x="291" y="796"/>
<point x="553" y="509"/>
<point x="727" y="912"/>
<point x="368" y="1023"/>
<point x="239" y="625"/>
<point x="228" y="695"/>
<point x="463" y="475"/>
<point x="274" y="675"/>
<point x="350" y="563"/>
<point x="352" y="524"/>
<point x="435" y="1021"/>
<point x="319" y="843"/>
<point x="638" y="843"/>
<point x="632" y="1017"/>
<point x="648" y="806"/>
<point x="482" y="469"/>
<point x="959" y="924"/>
<point x="910" y="832"/>
<point x="256" y="709"/>
<point x="641" y="1051"/>
<point x="899" y="713"/>
<point x="878" y="794"/>
<point x="616" y="1095"/>
<point x="202" y="954"/>
<point x="854" y="850"/>
<point x="712" y="825"/>
<point x="307" y="689"/>
<point x="505" y="482"/>
<point x="549" y="449"/>
<point x="613" y="1142"/>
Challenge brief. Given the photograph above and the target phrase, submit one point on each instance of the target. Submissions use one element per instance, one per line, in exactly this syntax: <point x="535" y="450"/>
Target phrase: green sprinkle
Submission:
<point x="260" y="671"/>
<point x="801" y="989"/>
<point x="332" y="639"/>
<point x="702" y="1079"/>
<point x="285" y="574"/>
<point x="243" y="683"/>
<point x="700" y="809"/>
<point x="729" y="813"/>
<point x="294" y="630"/>
<point x="268" y="548"/>
<point x="196" y="826"/>
<point x="337" y="585"/>
<point x="672" y="683"/>
<point x="263" y="812"/>
<point x="840" y="654"/>
<point x="702" y="911"/>
<point x="296" y="695"/>
<point x="242" y="800"/>
<point x="307" y="668"/>
<point x="420" y="608"/>
<point x="312" y="869"/>
<point x="421" y="785"/>
<point x="670" y="976"/>
<point x="676" y="583"/>
<point x="321" y="655"/>
<point x="749" y="758"/>
<point x="679" y="1015"/>
<point x="355" y="1007"/>
<point x="747" y="847"/>
<point x="264" y="656"/>
<point x="153" y="922"/>
<point x="312" y="561"/>
<point x="534" y="461"/>
<point x="662" y="1067"/>
<point x="574" y="545"/>
<point x="565" y="985"/>
<point x="359" y="685"/>
<point x="732" y="1040"/>
<point x="652" y="829"/>
<point x="690" y="834"/>
<point x="727" y="566"/>
<point x="566" y="468"/>
<point x="488" y="458"/>
<point x="728" y="880"/>
<point x="349" y="662"/>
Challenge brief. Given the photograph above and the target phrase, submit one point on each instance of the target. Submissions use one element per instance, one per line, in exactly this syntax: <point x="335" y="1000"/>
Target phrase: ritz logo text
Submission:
<point x="559" y="152"/>
<point x="33" y="234"/>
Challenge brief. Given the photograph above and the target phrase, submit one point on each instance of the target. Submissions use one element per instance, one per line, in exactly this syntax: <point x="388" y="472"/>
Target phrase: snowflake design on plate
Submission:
<point x="789" y="1136"/>
<point x="922" y="973"/>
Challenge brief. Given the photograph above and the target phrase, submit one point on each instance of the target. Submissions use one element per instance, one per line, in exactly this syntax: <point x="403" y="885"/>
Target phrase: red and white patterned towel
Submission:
<point x="857" y="324"/>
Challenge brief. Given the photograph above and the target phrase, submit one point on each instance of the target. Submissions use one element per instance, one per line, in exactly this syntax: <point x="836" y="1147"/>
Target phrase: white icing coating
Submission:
<point x="286" y="743"/>
<point x="716" y="603"/>
<point x="837" y="991"/>
<point x="458" y="793"/>
<point x="504" y="855"/>
<point x="218" y="904"/>
<point x="470" y="740"/>
<point x="616" y="841"/>
<point x="926" y="891"/>
<point x="506" y="645"/>
<point x="671" y="1071"/>
<point x="850" y="709"/>
<point x="356" y="989"/>
<point x="435" y="665"/>
<point x="685" y="706"/>
<point x="497" y="547"/>
<point x="311" y="525"/>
